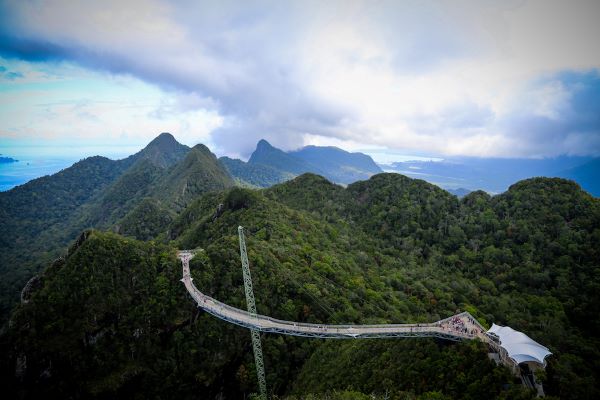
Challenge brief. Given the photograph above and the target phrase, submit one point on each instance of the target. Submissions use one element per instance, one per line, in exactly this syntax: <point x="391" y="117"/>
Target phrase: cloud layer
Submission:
<point x="512" y="78"/>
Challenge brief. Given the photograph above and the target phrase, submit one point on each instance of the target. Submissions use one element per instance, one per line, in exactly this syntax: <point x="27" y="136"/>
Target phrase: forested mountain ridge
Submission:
<point x="255" y="175"/>
<point x="200" y="171"/>
<point x="28" y="212"/>
<point x="170" y="185"/>
<point x="30" y="209"/>
<point x="41" y="217"/>
<point x="390" y="249"/>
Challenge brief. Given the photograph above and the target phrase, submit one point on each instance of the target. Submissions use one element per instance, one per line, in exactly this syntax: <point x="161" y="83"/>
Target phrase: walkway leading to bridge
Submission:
<point x="462" y="326"/>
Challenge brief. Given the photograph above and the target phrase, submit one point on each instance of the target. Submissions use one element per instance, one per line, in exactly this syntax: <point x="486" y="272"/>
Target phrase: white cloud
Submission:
<point x="449" y="78"/>
<point x="79" y="106"/>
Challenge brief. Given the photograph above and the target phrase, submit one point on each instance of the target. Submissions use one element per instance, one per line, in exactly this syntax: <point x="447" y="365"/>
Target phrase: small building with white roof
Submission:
<point x="519" y="352"/>
<point x="519" y="347"/>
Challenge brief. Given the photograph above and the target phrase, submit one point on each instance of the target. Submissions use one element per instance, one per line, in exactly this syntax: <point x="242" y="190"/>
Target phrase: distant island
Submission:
<point x="6" y="160"/>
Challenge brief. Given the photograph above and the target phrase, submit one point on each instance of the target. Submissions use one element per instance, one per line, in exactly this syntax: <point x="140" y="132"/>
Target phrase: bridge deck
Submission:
<point x="458" y="327"/>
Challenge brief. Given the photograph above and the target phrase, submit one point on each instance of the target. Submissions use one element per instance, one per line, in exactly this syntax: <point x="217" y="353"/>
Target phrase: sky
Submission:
<point x="430" y="78"/>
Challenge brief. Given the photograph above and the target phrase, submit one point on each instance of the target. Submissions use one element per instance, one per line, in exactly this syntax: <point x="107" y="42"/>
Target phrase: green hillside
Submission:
<point x="197" y="173"/>
<point x="40" y="218"/>
<point x="31" y="213"/>
<point x="113" y="320"/>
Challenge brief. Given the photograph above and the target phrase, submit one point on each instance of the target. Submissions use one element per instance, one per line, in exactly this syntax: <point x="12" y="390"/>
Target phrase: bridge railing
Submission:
<point x="245" y="317"/>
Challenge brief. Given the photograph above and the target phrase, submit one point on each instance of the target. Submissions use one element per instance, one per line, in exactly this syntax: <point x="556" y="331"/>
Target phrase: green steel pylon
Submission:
<point x="258" y="356"/>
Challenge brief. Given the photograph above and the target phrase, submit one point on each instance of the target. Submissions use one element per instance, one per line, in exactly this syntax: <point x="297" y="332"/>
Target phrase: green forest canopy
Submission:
<point x="114" y="320"/>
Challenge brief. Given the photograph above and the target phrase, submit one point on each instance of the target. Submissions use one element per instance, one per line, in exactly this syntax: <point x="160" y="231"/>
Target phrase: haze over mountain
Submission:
<point x="268" y="155"/>
<point x="338" y="165"/>
<point x="495" y="175"/>
<point x="333" y="163"/>
<point x="258" y="175"/>
<point x="587" y="175"/>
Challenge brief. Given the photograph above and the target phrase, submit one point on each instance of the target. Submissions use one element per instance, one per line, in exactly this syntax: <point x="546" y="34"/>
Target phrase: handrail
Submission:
<point x="270" y="324"/>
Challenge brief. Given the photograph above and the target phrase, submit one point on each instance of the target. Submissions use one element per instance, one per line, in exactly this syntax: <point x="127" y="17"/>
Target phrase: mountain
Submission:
<point x="111" y="318"/>
<point x="138" y="181"/>
<point x="166" y="173"/>
<point x="587" y="175"/>
<point x="200" y="171"/>
<point x="38" y="219"/>
<point x="339" y="165"/>
<point x="31" y="214"/>
<point x="153" y="209"/>
<point x="265" y="154"/>
<point x="121" y="196"/>
<point x="255" y="175"/>
<point x="163" y="151"/>
<point x="269" y="165"/>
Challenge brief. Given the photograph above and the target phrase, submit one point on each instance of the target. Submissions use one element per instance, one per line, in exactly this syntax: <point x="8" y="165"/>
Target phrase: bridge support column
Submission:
<point x="255" y="334"/>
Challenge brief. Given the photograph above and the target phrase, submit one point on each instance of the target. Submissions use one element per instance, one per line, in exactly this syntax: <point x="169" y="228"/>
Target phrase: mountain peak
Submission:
<point x="203" y="148"/>
<point x="265" y="149"/>
<point x="164" y="139"/>
<point x="279" y="159"/>
<point x="164" y="150"/>
<point x="263" y="144"/>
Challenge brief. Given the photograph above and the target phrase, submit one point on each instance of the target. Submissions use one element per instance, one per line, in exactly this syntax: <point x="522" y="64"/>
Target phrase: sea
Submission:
<point x="35" y="162"/>
<point x="20" y="172"/>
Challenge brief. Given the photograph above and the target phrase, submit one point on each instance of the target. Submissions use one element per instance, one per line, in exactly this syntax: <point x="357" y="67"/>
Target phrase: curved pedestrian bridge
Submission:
<point x="458" y="327"/>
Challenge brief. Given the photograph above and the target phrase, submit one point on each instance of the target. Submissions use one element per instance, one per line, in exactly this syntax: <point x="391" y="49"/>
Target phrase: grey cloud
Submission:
<point x="464" y="116"/>
<point x="247" y="66"/>
<point x="575" y="127"/>
<point x="572" y="127"/>
<point x="241" y="60"/>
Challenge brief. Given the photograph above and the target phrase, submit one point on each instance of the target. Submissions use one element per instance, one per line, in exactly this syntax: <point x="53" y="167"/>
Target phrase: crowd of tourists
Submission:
<point x="457" y="324"/>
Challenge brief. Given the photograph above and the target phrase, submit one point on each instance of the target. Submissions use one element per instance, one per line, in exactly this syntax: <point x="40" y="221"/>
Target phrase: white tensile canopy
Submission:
<point x="519" y="346"/>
